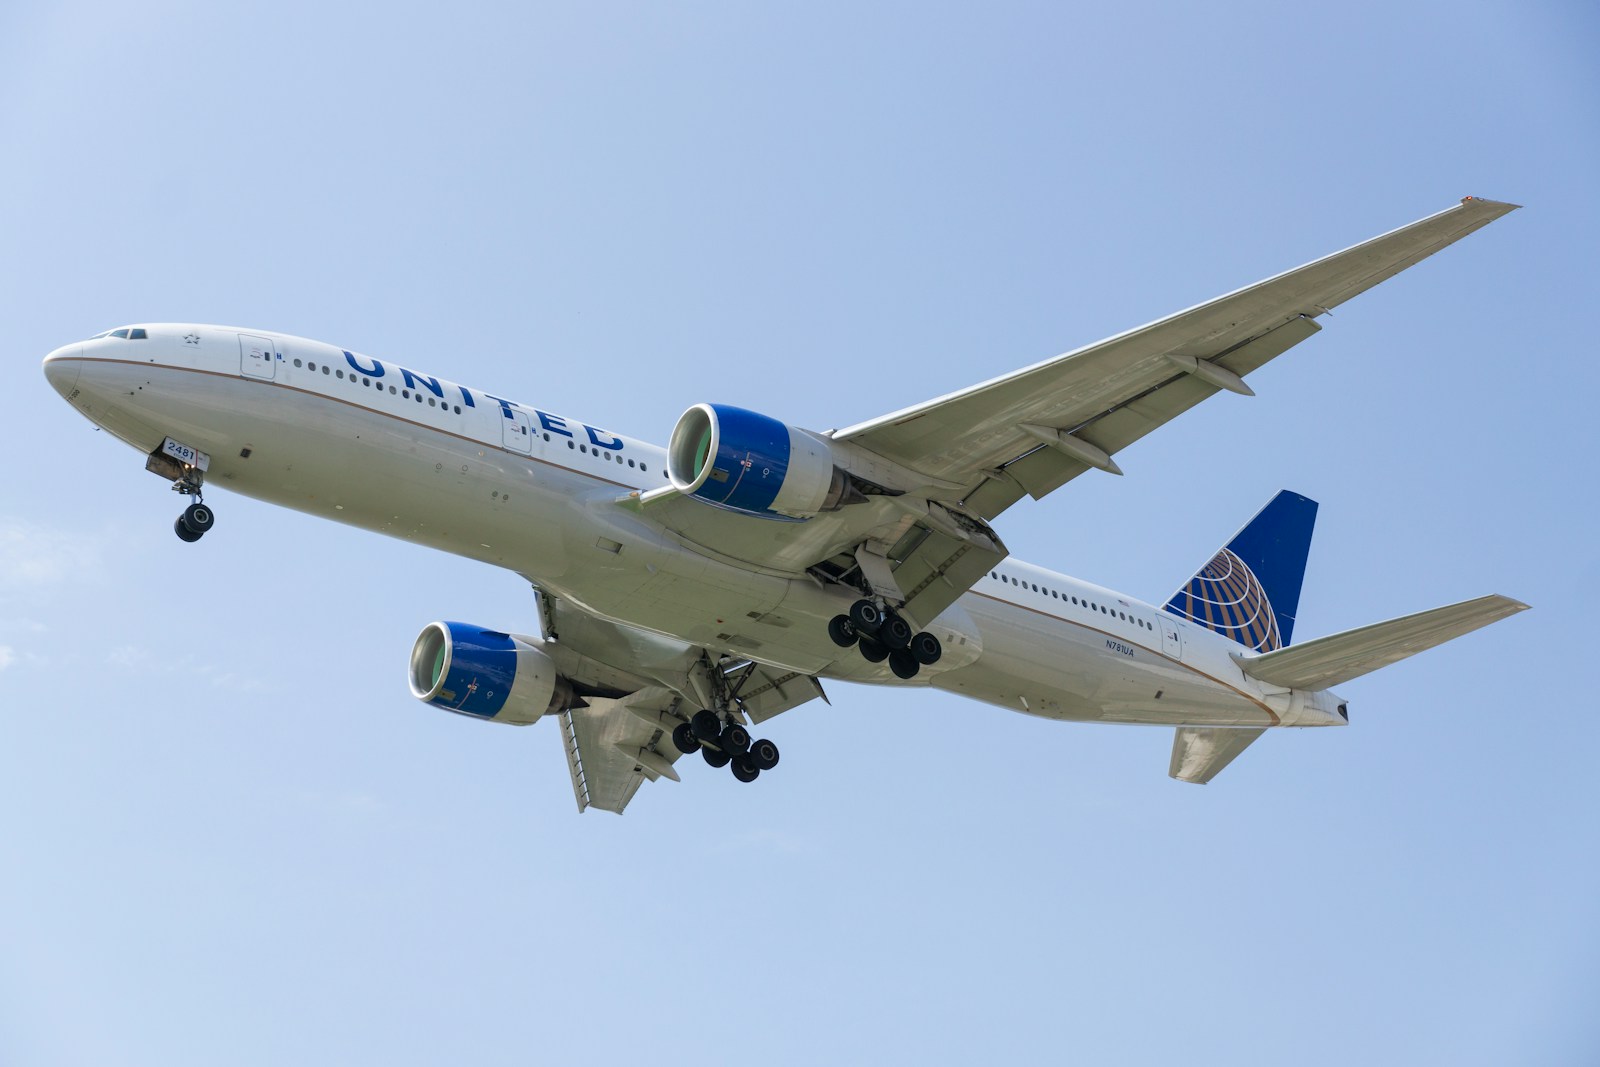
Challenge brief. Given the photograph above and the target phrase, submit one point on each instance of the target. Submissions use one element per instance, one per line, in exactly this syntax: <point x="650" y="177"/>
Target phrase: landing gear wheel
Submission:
<point x="715" y="758"/>
<point x="903" y="663"/>
<point x="684" y="740"/>
<point x="926" y="648"/>
<point x="842" y="631"/>
<point x="198" y="518"/>
<point x="183" y="532"/>
<point x="745" y="771"/>
<point x="895" y="632"/>
<point x="706" y="725"/>
<point x="735" y="739"/>
<point x="866" y="617"/>
<point x="763" y="755"/>
<point x="872" y="651"/>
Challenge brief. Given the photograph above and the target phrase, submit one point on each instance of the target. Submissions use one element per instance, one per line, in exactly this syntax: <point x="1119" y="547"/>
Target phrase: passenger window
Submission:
<point x="311" y="366"/>
<point x="297" y="363"/>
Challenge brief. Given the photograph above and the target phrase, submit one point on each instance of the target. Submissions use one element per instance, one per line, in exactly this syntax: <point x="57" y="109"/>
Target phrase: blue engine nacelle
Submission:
<point x="753" y="464"/>
<point x="486" y="674"/>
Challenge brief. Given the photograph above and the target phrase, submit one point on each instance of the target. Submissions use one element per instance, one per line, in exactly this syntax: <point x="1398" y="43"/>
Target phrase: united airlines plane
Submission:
<point x="686" y="595"/>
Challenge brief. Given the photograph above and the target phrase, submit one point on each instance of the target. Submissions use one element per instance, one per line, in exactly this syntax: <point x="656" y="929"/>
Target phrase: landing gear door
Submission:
<point x="1171" y="642"/>
<point x="518" y="436"/>
<point x="256" y="357"/>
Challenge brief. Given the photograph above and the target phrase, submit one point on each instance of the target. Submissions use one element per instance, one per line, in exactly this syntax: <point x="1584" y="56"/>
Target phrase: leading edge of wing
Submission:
<point x="1367" y="263"/>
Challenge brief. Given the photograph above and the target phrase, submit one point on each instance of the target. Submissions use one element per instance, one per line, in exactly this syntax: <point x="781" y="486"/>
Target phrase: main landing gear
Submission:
<point x="724" y="744"/>
<point x="882" y="635"/>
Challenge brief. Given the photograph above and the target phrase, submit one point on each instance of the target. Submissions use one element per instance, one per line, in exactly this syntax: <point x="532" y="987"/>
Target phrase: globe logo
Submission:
<point x="1227" y="597"/>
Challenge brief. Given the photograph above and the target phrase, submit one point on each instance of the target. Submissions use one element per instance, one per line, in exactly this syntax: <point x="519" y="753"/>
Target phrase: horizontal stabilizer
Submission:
<point x="1200" y="752"/>
<point x="1330" y="661"/>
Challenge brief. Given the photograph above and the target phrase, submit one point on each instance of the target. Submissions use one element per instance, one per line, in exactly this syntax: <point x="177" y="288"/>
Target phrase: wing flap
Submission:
<point x="1330" y="661"/>
<point x="1199" y="753"/>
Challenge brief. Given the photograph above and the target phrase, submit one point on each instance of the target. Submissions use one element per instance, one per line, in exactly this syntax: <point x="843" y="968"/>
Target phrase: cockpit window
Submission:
<point x="131" y="333"/>
<point x="137" y="334"/>
<point x="123" y="333"/>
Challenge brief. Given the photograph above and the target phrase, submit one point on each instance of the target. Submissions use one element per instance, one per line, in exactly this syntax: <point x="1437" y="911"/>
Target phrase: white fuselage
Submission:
<point x="369" y="443"/>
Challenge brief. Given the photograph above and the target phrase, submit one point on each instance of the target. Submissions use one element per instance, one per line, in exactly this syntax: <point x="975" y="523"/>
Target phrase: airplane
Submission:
<point x="688" y="594"/>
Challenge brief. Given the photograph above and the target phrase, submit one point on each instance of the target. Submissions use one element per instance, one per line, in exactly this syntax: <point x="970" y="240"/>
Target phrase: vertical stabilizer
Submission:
<point x="1250" y="590"/>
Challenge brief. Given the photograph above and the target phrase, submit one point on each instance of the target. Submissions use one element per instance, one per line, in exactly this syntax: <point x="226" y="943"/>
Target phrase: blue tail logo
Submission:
<point x="1250" y="590"/>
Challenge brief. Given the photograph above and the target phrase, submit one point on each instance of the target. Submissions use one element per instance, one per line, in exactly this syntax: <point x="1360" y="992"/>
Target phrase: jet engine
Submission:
<point x="753" y="464"/>
<point x="486" y="674"/>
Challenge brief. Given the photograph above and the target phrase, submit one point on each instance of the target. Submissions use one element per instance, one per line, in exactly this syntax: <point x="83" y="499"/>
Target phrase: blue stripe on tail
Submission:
<point x="1250" y="590"/>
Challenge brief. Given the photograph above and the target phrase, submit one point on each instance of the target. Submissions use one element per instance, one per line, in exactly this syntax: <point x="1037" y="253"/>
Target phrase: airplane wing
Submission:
<point x="966" y="457"/>
<point x="1029" y="432"/>
<point x="636" y="688"/>
<point x="614" y="745"/>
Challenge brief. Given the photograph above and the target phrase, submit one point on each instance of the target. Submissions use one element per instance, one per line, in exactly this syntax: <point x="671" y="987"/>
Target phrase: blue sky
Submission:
<point x="227" y="833"/>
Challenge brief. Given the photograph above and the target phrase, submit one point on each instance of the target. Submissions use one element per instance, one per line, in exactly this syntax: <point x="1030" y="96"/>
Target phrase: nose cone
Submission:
<point x="61" y="368"/>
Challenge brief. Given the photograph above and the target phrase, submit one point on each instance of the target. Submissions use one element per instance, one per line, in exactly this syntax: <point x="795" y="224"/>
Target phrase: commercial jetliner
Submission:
<point x="688" y="594"/>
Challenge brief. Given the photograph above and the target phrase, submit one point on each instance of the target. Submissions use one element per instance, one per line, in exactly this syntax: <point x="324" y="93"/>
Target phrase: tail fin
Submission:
<point x="1250" y="590"/>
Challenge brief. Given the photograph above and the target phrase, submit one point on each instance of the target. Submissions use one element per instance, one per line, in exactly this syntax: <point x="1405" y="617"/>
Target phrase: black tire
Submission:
<point x="904" y="664"/>
<point x="763" y="755"/>
<point x="684" y="740"/>
<point x="926" y="648"/>
<point x="715" y="758"/>
<point x="735" y="739"/>
<point x="745" y="771"/>
<point x="183" y="532"/>
<point x="873" y="651"/>
<point x="706" y="726"/>
<point x="843" y="633"/>
<point x="895" y="632"/>
<point x="866" y="617"/>
<point x="199" y="518"/>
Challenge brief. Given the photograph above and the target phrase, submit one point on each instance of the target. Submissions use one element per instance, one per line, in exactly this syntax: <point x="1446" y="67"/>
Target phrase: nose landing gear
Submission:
<point x="880" y="633"/>
<point x="186" y="467"/>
